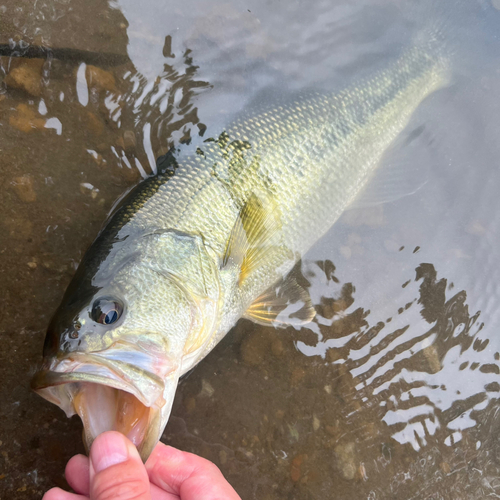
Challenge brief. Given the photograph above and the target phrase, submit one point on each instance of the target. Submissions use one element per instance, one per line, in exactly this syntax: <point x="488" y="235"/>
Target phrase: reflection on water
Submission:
<point x="392" y="391"/>
<point x="404" y="408"/>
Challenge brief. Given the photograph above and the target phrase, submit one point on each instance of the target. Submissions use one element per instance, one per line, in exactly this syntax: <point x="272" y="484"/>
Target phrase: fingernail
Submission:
<point x="108" y="449"/>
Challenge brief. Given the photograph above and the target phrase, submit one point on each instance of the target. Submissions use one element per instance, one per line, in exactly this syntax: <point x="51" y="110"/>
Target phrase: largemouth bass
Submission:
<point x="192" y="250"/>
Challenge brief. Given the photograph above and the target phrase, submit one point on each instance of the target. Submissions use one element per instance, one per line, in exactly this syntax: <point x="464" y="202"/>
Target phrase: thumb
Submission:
<point x="116" y="469"/>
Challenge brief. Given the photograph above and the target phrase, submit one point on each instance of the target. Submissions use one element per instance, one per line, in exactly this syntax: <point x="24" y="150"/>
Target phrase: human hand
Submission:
<point x="114" y="471"/>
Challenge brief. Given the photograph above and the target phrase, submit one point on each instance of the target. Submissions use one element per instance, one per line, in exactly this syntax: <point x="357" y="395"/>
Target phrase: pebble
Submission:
<point x="26" y="119"/>
<point x="277" y="348"/>
<point x="222" y="457"/>
<point x="26" y="76"/>
<point x="97" y="157"/>
<point x="316" y="423"/>
<point x="295" y="469"/>
<point x="333" y="430"/>
<point x="23" y="187"/>
<point x="94" y="124"/>
<point x="131" y="175"/>
<point x="433" y="358"/>
<point x="100" y="79"/>
<point x="346" y="460"/>
<point x="190" y="404"/>
<point x="333" y="355"/>
<point x="445" y="467"/>
<point x="206" y="389"/>
<point x="298" y="374"/>
<point x="129" y="141"/>
<point x="87" y="188"/>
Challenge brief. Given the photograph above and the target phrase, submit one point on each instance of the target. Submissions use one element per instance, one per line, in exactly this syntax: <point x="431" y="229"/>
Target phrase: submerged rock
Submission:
<point x="26" y="119"/>
<point x="26" y="76"/>
<point x="295" y="469"/>
<point x="129" y="141"/>
<point x="346" y="460"/>
<point x="23" y="187"/>
<point x="100" y="79"/>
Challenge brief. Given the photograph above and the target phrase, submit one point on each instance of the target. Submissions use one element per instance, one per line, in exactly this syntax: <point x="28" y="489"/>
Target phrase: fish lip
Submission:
<point x="96" y="368"/>
<point x="106" y="373"/>
<point x="44" y="379"/>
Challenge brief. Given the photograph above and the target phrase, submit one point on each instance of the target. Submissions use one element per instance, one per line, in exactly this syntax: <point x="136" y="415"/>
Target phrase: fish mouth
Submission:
<point x="107" y="395"/>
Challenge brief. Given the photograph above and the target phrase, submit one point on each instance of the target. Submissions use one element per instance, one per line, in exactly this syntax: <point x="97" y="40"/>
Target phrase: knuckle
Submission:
<point x="210" y="469"/>
<point x="129" y="489"/>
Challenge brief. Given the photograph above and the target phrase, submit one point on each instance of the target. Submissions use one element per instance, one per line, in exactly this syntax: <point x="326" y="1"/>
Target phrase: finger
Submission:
<point x="159" y="494"/>
<point x="116" y="469"/>
<point x="58" y="494"/>
<point x="77" y="474"/>
<point x="187" y="475"/>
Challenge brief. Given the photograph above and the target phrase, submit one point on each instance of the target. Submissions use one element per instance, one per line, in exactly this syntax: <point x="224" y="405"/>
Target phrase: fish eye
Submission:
<point x="106" y="310"/>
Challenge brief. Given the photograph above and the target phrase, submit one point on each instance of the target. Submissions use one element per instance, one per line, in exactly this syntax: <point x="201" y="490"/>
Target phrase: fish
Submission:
<point x="211" y="239"/>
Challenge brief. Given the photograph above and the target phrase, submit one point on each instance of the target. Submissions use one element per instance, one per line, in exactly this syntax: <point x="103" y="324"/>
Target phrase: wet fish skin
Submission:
<point x="189" y="254"/>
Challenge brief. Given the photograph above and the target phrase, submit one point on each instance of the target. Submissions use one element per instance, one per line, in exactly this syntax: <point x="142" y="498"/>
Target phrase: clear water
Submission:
<point x="393" y="391"/>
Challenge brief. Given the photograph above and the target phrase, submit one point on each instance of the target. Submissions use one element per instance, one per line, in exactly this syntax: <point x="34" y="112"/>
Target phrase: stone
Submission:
<point x="94" y="124"/>
<point x="432" y="356"/>
<point x="445" y="467"/>
<point x="346" y="460"/>
<point x="23" y="187"/>
<point x="89" y="189"/>
<point x="26" y="119"/>
<point x="316" y="423"/>
<point x="129" y="141"/>
<point x="295" y="468"/>
<point x="131" y="175"/>
<point x="100" y="79"/>
<point x="333" y="430"/>
<point x="206" y="388"/>
<point x="190" y="404"/>
<point x="26" y="76"/>
<point x="298" y="374"/>
<point x="223" y="457"/>
<point x="277" y="348"/>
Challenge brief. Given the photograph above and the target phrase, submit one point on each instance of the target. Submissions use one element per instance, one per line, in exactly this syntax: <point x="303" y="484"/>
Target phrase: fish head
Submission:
<point x="123" y="334"/>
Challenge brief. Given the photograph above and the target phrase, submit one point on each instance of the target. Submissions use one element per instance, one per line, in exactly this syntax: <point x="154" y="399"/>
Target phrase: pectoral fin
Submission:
<point x="287" y="303"/>
<point x="254" y="236"/>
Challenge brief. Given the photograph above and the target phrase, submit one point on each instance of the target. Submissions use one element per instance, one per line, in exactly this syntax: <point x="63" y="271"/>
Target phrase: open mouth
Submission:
<point x="106" y="398"/>
<point x="103" y="408"/>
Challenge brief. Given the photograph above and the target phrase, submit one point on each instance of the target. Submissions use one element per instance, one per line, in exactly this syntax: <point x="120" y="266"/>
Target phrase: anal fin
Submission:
<point x="287" y="303"/>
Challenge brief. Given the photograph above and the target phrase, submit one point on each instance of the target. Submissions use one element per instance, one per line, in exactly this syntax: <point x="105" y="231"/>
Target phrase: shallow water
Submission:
<point x="392" y="392"/>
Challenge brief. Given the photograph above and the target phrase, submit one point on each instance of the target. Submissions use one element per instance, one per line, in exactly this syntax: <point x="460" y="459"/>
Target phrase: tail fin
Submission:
<point x="455" y="28"/>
